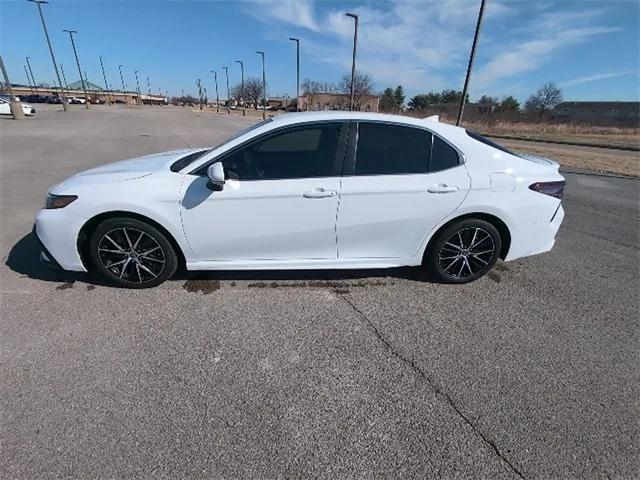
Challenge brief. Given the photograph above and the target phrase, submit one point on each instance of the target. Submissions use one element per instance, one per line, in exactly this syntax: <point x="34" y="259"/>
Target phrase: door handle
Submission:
<point x="319" y="193"/>
<point x="443" y="188"/>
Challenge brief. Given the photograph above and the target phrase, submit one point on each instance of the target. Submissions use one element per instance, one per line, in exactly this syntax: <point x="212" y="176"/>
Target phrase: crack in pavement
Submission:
<point x="432" y="384"/>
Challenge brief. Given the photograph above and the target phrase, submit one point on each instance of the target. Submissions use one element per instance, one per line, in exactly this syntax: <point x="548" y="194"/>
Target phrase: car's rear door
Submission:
<point x="399" y="182"/>
<point x="280" y="201"/>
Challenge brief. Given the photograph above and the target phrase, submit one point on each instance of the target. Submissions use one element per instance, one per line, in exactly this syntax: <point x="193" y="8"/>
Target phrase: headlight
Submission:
<point x="59" y="201"/>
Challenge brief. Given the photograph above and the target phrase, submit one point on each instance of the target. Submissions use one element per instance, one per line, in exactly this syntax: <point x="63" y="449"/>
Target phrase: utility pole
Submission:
<point x="297" y="40"/>
<point x="15" y="107"/>
<point x="215" y="79"/>
<point x="84" y="87"/>
<point x="226" y="70"/>
<point x="199" y="93"/>
<point x="264" y="87"/>
<point x="242" y="86"/>
<point x="138" y="86"/>
<point x="53" y="58"/>
<point x="353" y="61"/>
<point x="26" y="72"/>
<point x="106" y="84"/>
<point x="35" y="85"/>
<point x="470" y="66"/>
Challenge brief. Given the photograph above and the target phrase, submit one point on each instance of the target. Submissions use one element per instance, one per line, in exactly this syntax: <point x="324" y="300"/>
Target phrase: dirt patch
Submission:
<point x="65" y="286"/>
<point x="203" y="286"/>
<point x="494" y="276"/>
<point x="319" y="284"/>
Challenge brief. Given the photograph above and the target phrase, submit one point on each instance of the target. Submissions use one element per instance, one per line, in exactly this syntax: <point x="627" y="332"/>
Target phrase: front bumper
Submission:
<point x="57" y="230"/>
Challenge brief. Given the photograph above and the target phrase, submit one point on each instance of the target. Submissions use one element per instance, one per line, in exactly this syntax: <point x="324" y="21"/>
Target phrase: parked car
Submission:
<point x="320" y="190"/>
<point x="77" y="100"/>
<point x="55" y="99"/>
<point x="5" y="107"/>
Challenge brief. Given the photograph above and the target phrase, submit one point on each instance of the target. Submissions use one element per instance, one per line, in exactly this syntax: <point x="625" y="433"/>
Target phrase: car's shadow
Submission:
<point x="24" y="258"/>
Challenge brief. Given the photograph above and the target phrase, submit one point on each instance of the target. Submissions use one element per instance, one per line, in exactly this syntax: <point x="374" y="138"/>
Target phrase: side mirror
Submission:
<point x="215" y="173"/>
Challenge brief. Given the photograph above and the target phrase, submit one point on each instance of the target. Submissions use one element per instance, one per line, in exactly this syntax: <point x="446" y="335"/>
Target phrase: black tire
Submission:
<point x="450" y="259"/>
<point x="131" y="253"/>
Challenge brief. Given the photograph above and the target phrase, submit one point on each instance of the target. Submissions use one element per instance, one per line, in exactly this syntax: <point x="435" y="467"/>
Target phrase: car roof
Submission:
<point x="444" y="129"/>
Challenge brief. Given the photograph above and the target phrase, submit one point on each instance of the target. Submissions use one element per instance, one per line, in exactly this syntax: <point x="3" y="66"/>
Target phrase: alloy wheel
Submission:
<point x="131" y="255"/>
<point x="466" y="252"/>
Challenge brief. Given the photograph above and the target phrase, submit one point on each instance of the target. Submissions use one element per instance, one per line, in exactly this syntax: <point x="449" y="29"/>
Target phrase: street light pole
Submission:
<point x="84" y="87"/>
<point x="242" y="86"/>
<point x="35" y="85"/>
<point x="470" y="66"/>
<point x="53" y="58"/>
<point x="226" y="71"/>
<point x="199" y="93"/>
<point x="297" y="40"/>
<point x="353" y="62"/>
<point x="64" y="79"/>
<point x="149" y="90"/>
<point x="106" y="84"/>
<point x="215" y="79"/>
<point x="26" y="72"/>
<point x="264" y="87"/>
<point x="15" y="107"/>
<point x="138" y="87"/>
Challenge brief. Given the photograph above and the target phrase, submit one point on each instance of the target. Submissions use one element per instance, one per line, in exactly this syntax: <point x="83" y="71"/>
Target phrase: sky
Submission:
<point x="590" y="48"/>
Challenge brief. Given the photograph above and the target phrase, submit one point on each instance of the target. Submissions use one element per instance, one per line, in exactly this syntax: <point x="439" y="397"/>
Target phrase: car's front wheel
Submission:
<point x="131" y="253"/>
<point x="464" y="251"/>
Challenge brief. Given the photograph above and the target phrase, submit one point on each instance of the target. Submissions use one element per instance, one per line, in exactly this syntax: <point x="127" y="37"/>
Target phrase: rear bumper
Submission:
<point x="57" y="231"/>
<point x="533" y="238"/>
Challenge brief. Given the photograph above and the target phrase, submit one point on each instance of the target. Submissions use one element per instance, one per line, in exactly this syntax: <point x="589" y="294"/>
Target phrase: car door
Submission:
<point x="400" y="181"/>
<point x="279" y="202"/>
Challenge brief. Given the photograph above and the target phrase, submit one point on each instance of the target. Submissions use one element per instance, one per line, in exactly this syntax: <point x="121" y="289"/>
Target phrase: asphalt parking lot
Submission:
<point x="531" y="372"/>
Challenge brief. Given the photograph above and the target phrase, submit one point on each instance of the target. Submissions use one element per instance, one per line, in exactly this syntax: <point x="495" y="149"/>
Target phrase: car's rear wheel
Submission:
<point x="464" y="251"/>
<point x="131" y="253"/>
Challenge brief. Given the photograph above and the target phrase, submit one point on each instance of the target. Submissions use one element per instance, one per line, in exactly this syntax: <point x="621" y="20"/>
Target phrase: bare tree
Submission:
<point x="363" y="86"/>
<point x="312" y="88"/>
<point x="544" y="100"/>
<point x="252" y="91"/>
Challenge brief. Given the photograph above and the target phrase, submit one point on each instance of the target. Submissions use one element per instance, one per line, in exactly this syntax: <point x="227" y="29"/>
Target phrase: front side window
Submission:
<point x="299" y="152"/>
<point x="386" y="149"/>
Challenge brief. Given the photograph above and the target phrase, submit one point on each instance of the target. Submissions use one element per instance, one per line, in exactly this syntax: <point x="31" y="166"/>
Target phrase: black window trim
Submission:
<point x="338" y="161"/>
<point x="352" y="149"/>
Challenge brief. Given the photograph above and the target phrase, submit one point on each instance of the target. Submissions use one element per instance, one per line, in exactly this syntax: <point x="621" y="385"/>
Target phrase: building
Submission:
<point x="598" y="112"/>
<point x="338" y="101"/>
<point x="93" y="92"/>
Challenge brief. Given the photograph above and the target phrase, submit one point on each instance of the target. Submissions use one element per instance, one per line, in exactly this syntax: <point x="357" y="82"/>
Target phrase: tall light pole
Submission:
<point x="149" y="90"/>
<point x="199" y="93"/>
<point x="226" y="71"/>
<point x="242" y="86"/>
<point x="264" y="87"/>
<point x="470" y="66"/>
<point x="353" y="61"/>
<point x="106" y="84"/>
<point x="35" y="85"/>
<point x="138" y="87"/>
<point x="84" y="87"/>
<point x="26" y="72"/>
<point x="53" y="58"/>
<point x="215" y="79"/>
<point x="64" y="79"/>
<point x="15" y="107"/>
<point x="297" y="40"/>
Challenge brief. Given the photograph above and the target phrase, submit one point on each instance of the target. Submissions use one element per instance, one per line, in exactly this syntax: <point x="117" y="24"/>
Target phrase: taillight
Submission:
<point x="554" y="189"/>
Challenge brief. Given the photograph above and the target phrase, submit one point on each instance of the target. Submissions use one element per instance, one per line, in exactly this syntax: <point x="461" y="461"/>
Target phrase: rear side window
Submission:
<point x="385" y="149"/>
<point x="443" y="156"/>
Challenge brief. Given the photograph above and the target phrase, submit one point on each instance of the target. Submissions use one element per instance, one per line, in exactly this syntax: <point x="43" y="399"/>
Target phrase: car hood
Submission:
<point x="124" y="170"/>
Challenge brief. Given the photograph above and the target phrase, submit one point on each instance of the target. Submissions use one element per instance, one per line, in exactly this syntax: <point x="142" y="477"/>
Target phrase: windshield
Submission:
<point x="242" y="132"/>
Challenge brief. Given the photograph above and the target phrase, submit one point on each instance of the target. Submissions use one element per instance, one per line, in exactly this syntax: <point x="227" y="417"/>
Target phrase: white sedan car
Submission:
<point x="321" y="190"/>
<point x="5" y="107"/>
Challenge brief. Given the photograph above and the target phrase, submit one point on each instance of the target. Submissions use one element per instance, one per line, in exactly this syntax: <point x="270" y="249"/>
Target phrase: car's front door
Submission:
<point x="279" y="202"/>
<point x="401" y="181"/>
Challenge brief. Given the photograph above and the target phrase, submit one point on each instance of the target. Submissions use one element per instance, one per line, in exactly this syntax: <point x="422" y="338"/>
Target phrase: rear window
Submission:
<point x="486" y="141"/>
